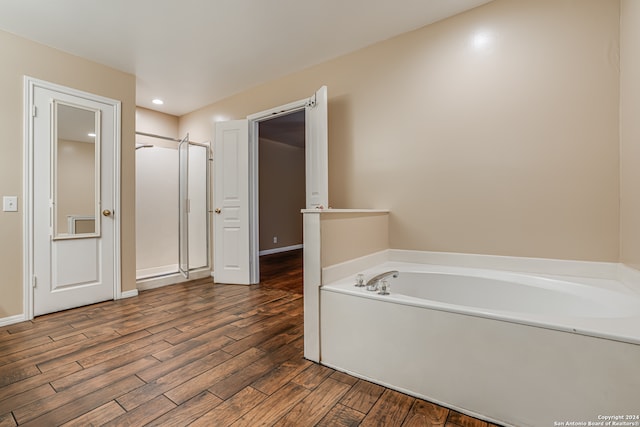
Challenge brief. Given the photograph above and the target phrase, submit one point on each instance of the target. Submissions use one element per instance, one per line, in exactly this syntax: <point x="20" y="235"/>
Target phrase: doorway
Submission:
<point x="281" y="177"/>
<point x="236" y="193"/>
<point x="72" y="213"/>
<point x="281" y="165"/>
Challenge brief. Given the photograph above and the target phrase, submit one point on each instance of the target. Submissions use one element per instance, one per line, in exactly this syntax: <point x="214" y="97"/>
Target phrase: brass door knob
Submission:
<point x="218" y="211"/>
<point x="106" y="212"/>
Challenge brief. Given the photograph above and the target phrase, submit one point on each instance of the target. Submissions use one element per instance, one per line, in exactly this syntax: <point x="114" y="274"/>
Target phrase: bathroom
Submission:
<point x="508" y="130"/>
<point x="504" y="131"/>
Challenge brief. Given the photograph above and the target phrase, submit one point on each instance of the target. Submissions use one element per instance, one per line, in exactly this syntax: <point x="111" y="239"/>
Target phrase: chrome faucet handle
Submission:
<point x="384" y="288"/>
<point x="359" y="280"/>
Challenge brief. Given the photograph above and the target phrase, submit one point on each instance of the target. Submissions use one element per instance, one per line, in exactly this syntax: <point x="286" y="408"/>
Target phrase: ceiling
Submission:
<point x="191" y="53"/>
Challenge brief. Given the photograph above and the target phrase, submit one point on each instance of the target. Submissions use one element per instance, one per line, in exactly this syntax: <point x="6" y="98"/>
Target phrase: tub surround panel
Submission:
<point x="598" y="308"/>
<point x="512" y="374"/>
<point x="630" y="277"/>
<point x="603" y="270"/>
<point x="312" y="279"/>
<point x="333" y="234"/>
<point x="542" y="364"/>
<point x="601" y="274"/>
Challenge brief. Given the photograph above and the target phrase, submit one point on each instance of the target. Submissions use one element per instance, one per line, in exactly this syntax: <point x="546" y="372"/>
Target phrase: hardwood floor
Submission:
<point x="282" y="271"/>
<point x="198" y="354"/>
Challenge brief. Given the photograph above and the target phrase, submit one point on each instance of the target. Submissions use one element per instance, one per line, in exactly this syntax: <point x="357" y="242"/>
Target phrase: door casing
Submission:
<point x="30" y="84"/>
<point x="321" y="202"/>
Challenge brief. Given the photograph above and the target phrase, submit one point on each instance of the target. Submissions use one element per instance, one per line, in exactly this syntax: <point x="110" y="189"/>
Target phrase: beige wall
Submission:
<point x="282" y="194"/>
<point x="156" y="123"/>
<point x="22" y="57"/>
<point x="505" y="148"/>
<point x="346" y="236"/>
<point x="630" y="133"/>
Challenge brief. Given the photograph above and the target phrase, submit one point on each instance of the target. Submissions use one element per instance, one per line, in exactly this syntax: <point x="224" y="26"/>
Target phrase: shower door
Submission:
<point x="183" y="207"/>
<point x="193" y="205"/>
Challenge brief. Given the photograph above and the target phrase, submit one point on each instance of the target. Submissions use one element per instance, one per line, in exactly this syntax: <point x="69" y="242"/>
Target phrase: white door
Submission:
<point x="235" y="238"/>
<point x="72" y="141"/>
<point x="231" y="254"/>
<point x="316" y="151"/>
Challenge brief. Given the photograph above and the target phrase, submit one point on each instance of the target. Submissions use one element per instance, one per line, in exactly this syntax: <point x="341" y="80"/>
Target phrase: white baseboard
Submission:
<point x="129" y="294"/>
<point x="172" y="279"/>
<point x="10" y="320"/>
<point x="278" y="250"/>
<point x="163" y="270"/>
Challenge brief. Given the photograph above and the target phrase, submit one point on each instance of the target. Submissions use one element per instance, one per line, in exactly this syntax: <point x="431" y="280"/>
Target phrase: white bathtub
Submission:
<point x="511" y="348"/>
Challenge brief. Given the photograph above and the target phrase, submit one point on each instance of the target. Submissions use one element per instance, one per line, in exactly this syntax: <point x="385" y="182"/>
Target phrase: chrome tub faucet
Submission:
<point x="372" y="284"/>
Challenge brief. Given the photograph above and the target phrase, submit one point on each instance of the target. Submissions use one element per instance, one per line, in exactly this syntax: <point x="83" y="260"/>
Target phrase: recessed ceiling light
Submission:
<point x="158" y="101"/>
<point x="92" y="135"/>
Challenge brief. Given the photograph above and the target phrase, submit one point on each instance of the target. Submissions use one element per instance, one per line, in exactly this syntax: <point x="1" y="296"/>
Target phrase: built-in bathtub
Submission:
<point x="513" y="348"/>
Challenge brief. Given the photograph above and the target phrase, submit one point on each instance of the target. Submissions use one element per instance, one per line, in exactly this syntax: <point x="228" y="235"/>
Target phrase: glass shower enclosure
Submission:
<point x="172" y="206"/>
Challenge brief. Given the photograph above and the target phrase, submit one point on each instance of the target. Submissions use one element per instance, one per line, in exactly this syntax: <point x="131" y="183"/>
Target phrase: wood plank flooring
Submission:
<point x="198" y="354"/>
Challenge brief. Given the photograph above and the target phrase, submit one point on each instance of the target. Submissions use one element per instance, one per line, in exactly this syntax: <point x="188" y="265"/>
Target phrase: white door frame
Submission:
<point x="254" y="124"/>
<point x="30" y="84"/>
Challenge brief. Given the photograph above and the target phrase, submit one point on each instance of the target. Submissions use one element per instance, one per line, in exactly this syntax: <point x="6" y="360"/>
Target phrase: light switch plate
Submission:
<point x="10" y="204"/>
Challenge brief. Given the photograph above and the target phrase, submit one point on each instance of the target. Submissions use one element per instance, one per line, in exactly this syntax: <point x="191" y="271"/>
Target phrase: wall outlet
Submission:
<point x="10" y="204"/>
<point x="275" y="239"/>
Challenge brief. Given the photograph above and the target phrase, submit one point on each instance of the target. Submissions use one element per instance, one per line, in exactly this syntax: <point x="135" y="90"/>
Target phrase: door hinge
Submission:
<point x="35" y="281"/>
<point x="34" y="111"/>
<point x="311" y="102"/>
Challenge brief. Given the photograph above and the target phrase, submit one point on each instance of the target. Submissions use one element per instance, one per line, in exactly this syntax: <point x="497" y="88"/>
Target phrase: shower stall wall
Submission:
<point x="172" y="207"/>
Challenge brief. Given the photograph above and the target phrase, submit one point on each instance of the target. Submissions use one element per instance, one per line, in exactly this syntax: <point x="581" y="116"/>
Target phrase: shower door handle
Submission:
<point x="218" y="211"/>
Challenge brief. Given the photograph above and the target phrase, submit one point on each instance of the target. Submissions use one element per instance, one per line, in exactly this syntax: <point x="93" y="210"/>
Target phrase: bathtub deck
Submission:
<point x="191" y="353"/>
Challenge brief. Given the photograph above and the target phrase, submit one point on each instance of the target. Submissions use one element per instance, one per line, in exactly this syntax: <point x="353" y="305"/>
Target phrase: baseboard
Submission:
<point x="129" y="294"/>
<point x="172" y="279"/>
<point x="278" y="250"/>
<point x="163" y="270"/>
<point x="10" y="320"/>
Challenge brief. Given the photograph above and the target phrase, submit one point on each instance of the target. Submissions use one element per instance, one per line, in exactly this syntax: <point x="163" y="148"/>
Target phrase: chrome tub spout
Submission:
<point x="372" y="284"/>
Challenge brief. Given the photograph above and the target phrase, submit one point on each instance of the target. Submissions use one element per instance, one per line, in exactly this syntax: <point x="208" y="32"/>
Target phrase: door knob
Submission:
<point x="218" y="211"/>
<point x="106" y="212"/>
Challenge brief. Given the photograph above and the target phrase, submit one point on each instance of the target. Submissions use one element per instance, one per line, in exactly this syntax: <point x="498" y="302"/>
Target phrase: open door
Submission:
<point x="231" y="256"/>
<point x="316" y="151"/>
<point x="235" y="257"/>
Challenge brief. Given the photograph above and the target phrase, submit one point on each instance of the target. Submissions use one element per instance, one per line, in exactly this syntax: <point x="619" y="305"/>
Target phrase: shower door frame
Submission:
<point x="209" y="155"/>
<point x="185" y="229"/>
